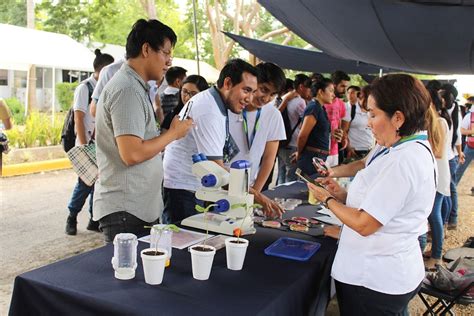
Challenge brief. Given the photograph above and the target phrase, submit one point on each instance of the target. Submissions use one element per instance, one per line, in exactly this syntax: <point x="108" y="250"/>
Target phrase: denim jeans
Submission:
<point x="446" y="209"/>
<point x="286" y="169"/>
<point x="79" y="197"/>
<point x="468" y="155"/>
<point x="436" y="222"/>
<point x="179" y="204"/>
<point x="305" y="162"/>
<point x="123" y="222"/>
<point x="453" y="215"/>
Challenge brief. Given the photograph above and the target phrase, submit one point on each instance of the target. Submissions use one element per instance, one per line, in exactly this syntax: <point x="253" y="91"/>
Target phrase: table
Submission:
<point x="85" y="284"/>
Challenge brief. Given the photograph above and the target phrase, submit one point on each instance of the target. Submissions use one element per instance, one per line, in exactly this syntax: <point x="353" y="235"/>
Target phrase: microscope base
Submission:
<point x="219" y="224"/>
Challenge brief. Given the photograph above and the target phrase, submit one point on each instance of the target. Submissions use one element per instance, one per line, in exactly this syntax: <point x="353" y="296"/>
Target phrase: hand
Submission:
<point x="332" y="231"/>
<point x="337" y="133"/>
<point x="294" y="157"/>
<point x="328" y="172"/>
<point x="344" y="143"/>
<point x="351" y="152"/>
<point x="462" y="158"/>
<point x="181" y="128"/>
<point x="319" y="193"/>
<point x="291" y="95"/>
<point x="270" y="208"/>
<point x="332" y="187"/>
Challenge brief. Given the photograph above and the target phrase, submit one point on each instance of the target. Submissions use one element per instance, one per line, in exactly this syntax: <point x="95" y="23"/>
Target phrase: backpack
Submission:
<point x="68" y="133"/>
<point x="470" y="139"/>
<point x="289" y="130"/>
<point x="353" y="112"/>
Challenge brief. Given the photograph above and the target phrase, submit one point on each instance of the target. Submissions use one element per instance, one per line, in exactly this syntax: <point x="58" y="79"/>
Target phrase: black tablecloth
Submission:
<point x="85" y="284"/>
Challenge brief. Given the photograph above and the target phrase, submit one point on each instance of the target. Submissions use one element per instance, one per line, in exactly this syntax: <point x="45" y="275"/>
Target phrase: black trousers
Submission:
<point x="357" y="300"/>
<point x="123" y="222"/>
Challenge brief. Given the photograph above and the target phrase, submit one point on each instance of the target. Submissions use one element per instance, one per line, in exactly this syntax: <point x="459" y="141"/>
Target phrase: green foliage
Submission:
<point x="204" y="210"/>
<point x="160" y="230"/>
<point x="37" y="131"/>
<point x="17" y="109"/>
<point x="65" y="94"/>
<point x="13" y="12"/>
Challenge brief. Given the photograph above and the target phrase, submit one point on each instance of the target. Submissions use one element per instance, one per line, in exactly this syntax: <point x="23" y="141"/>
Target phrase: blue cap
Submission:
<point x="222" y="206"/>
<point x="209" y="180"/>
<point x="203" y="157"/>
<point x="196" y="158"/>
<point x="240" y="164"/>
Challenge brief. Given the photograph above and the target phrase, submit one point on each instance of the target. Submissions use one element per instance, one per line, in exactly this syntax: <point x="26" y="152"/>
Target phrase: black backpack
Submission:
<point x="353" y="112"/>
<point x="289" y="130"/>
<point x="68" y="133"/>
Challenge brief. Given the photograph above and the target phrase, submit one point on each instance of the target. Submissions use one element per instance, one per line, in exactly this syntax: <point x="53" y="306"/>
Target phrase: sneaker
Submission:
<point x="472" y="191"/>
<point x="71" y="225"/>
<point x="93" y="225"/>
<point x="452" y="226"/>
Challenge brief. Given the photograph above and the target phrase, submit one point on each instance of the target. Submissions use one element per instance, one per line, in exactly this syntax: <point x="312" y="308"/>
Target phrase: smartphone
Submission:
<point x="306" y="178"/>
<point x="185" y="111"/>
<point x="320" y="164"/>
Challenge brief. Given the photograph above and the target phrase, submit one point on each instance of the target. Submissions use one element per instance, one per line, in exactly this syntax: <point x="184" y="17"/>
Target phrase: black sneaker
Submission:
<point x="93" y="225"/>
<point x="71" y="225"/>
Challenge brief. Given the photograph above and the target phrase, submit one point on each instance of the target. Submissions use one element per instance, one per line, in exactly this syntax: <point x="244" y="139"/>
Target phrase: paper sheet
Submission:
<point x="182" y="239"/>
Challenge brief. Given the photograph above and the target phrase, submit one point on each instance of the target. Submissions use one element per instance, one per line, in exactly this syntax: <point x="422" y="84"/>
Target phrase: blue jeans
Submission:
<point x="179" y="204"/>
<point x="436" y="222"/>
<point x="446" y="209"/>
<point x="79" y="197"/>
<point x="453" y="215"/>
<point x="469" y="155"/>
<point x="305" y="162"/>
<point x="286" y="169"/>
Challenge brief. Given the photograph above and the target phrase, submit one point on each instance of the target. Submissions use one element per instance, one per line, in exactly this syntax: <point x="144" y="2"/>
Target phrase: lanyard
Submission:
<point x="246" y="127"/>
<point x="405" y="139"/>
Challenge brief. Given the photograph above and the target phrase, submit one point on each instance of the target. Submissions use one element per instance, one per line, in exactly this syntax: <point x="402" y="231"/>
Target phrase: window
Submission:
<point x="3" y="77"/>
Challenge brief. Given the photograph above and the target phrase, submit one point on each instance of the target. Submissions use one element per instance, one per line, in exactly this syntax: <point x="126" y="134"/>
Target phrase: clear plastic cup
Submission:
<point x="164" y="241"/>
<point x="124" y="260"/>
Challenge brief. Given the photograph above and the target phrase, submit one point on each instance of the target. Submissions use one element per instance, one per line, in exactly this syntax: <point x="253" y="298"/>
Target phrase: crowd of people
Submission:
<point x="399" y="140"/>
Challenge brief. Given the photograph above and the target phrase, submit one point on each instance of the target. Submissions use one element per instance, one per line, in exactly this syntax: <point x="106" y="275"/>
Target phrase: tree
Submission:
<point x="13" y="12"/>
<point x="30" y="23"/>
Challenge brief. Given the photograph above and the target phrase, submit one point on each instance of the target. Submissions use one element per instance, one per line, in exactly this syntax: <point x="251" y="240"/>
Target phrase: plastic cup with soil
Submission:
<point x="236" y="249"/>
<point x="154" y="260"/>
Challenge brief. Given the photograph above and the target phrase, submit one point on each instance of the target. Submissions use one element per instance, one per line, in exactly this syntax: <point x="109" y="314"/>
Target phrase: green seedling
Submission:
<point x="204" y="210"/>
<point x="160" y="230"/>
<point x="248" y="208"/>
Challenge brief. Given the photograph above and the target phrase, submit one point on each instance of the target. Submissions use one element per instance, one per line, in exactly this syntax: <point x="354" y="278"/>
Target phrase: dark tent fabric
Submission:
<point x="288" y="57"/>
<point x="413" y="35"/>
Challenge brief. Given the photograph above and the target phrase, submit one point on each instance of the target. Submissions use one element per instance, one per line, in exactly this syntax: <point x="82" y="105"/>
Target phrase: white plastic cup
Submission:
<point x="124" y="260"/>
<point x="235" y="253"/>
<point x="201" y="262"/>
<point x="154" y="266"/>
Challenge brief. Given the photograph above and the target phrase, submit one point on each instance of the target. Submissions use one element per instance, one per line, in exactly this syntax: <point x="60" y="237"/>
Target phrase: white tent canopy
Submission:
<point x="207" y="71"/>
<point x="43" y="49"/>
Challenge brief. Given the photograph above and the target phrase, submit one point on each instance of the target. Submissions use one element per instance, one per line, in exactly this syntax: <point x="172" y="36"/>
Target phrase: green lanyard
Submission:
<point x="405" y="139"/>
<point x="246" y="127"/>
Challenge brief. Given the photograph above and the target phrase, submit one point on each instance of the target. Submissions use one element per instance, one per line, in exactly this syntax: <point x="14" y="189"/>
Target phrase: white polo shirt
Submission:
<point x="81" y="103"/>
<point x="270" y="128"/>
<point x="360" y="135"/>
<point x="105" y="75"/>
<point x="398" y="190"/>
<point x="207" y="137"/>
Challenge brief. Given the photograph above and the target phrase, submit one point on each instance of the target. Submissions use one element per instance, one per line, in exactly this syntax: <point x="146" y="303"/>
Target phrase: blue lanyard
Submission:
<point x="386" y="150"/>
<point x="246" y="127"/>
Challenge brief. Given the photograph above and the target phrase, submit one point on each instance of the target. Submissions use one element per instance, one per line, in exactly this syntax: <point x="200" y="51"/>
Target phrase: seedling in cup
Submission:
<point x="204" y="210"/>
<point x="159" y="230"/>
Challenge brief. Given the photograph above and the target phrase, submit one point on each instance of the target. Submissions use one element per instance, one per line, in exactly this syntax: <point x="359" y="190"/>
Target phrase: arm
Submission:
<point x="79" y="126"/>
<point x="287" y="98"/>
<point x="358" y="220"/>
<point x="93" y="107"/>
<point x="348" y="170"/>
<point x="158" y="109"/>
<point x="309" y="122"/>
<point x="467" y="132"/>
<point x="345" y="129"/>
<point x="134" y="150"/>
<point x="268" y="160"/>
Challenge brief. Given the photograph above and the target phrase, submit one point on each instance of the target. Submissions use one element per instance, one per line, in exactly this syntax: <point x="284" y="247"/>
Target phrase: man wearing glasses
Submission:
<point x="128" y="192"/>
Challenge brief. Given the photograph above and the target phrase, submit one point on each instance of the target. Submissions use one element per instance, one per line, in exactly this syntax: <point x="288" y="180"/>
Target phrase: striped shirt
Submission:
<point x="124" y="108"/>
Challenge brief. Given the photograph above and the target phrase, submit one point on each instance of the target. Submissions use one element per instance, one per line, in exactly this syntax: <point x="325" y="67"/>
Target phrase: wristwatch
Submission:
<point x="326" y="201"/>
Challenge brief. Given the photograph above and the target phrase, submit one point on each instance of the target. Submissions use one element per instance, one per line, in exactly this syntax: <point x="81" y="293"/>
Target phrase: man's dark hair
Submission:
<point x="233" y="69"/>
<point x="152" y="32"/>
<point x="339" y="76"/>
<point x="271" y="73"/>
<point x="101" y="60"/>
<point x="302" y="79"/>
<point x="433" y="85"/>
<point x="404" y="93"/>
<point x="316" y="77"/>
<point x="289" y="85"/>
<point x="174" y="73"/>
<point x="356" y="88"/>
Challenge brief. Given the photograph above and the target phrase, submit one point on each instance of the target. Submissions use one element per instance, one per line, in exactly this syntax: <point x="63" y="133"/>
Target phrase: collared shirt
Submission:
<point x="208" y="137"/>
<point x="124" y="108"/>
<point x="81" y="103"/>
<point x="397" y="189"/>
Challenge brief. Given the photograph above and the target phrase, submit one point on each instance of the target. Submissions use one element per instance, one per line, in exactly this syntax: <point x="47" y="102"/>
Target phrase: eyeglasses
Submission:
<point x="189" y="93"/>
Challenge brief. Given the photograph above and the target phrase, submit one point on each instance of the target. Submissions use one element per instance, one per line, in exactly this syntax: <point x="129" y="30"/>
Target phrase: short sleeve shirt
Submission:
<point x="336" y="112"/>
<point x="125" y="108"/>
<point x="296" y="109"/>
<point x="105" y="75"/>
<point x="360" y="135"/>
<point x="319" y="136"/>
<point x="398" y="190"/>
<point x="270" y="128"/>
<point x="208" y="137"/>
<point x="81" y="103"/>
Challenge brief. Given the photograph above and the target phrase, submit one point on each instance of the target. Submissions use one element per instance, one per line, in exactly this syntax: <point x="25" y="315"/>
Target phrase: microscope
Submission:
<point x="224" y="218"/>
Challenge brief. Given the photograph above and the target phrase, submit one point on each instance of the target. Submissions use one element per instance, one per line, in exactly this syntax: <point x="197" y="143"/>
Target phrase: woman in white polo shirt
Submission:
<point x="379" y="266"/>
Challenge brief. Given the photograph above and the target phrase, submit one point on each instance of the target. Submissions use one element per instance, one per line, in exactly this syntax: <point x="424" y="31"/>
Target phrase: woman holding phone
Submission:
<point x="378" y="266"/>
<point x="313" y="138"/>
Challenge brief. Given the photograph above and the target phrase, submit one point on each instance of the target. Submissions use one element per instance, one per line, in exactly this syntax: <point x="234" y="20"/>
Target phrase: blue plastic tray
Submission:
<point x="292" y="248"/>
